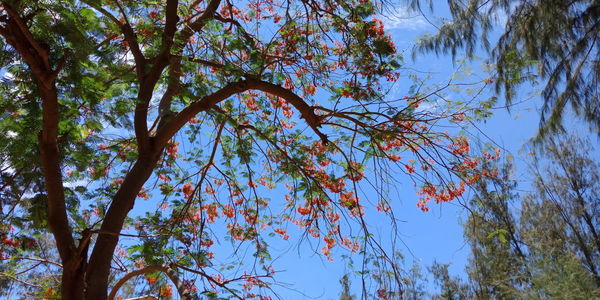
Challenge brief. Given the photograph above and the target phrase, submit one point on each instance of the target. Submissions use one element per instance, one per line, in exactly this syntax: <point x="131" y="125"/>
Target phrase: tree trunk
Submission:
<point x="98" y="270"/>
<point x="73" y="283"/>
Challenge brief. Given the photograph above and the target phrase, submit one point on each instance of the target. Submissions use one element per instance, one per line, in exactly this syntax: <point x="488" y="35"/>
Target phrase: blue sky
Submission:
<point x="424" y="237"/>
<point x="436" y="235"/>
<point x="303" y="273"/>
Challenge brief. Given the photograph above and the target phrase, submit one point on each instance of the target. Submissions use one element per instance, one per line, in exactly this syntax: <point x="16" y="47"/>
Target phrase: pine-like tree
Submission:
<point x="560" y="38"/>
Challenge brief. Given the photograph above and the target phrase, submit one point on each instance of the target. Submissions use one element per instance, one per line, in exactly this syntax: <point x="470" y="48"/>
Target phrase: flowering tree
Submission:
<point x="140" y="133"/>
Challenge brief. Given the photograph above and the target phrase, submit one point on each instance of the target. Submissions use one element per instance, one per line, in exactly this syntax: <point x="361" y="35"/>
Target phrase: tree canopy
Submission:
<point x="530" y="236"/>
<point x="552" y="41"/>
<point x="135" y="136"/>
<point x="542" y="243"/>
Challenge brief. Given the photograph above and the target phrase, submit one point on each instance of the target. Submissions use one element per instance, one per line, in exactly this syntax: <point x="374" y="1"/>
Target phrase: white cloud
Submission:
<point x="73" y="184"/>
<point x="403" y="18"/>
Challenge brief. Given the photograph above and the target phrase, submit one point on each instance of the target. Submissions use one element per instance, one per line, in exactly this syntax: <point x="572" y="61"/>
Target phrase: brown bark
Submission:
<point x="98" y="269"/>
<point x="164" y="134"/>
<point x="17" y="34"/>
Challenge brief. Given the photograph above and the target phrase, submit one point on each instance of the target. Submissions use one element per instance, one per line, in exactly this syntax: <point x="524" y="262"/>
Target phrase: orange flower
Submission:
<point x="165" y="291"/>
<point x="187" y="190"/>
<point x="304" y="210"/>
<point x="151" y="279"/>
<point x="228" y="211"/>
<point x="310" y="89"/>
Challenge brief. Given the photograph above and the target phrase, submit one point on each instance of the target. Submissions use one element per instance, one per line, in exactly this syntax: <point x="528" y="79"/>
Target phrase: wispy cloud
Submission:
<point x="403" y="18"/>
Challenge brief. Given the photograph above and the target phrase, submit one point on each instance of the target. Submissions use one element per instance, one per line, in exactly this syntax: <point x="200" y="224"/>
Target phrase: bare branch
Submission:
<point x="19" y="280"/>
<point x="41" y="260"/>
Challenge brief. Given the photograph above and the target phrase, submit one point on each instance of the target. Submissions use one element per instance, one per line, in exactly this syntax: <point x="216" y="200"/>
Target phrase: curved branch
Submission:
<point x="165" y="133"/>
<point x="184" y="293"/>
<point x="209" y="278"/>
<point x="307" y="112"/>
<point x="129" y="35"/>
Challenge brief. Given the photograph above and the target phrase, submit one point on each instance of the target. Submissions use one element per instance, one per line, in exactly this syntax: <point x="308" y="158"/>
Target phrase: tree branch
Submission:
<point x="205" y="62"/>
<point x="18" y="21"/>
<point x="21" y="39"/>
<point x="169" y="129"/>
<point x="128" y="34"/>
<point x="41" y="260"/>
<point x="170" y="24"/>
<point x="199" y="23"/>
<point x="164" y="134"/>
<point x="131" y="38"/>
<point x="307" y="112"/>
<point x="209" y="278"/>
<point x="184" y="293"/>
<point x="108" y="235"/>
<point x="173" y="88"/>
<point x="237" y="24"/>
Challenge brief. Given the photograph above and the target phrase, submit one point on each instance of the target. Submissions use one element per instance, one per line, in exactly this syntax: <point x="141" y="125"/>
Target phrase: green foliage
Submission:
<point x="496" y="264"/>
<point x="539" y="244"/>
<point x="451" y="288"/>
<point x="142" y="133"/>
<point x="346" y="294"/>
<point x="551" y="40"/>
<point x="548" y="248"/>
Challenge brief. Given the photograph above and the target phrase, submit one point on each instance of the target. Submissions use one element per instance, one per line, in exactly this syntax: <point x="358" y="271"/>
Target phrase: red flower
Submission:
<point x="310" y="89"/>
<point x="228" y="211"/>
<point x="304" y="210"/>
<point x="165" y="291"/>
<point x="187" y="190"/>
